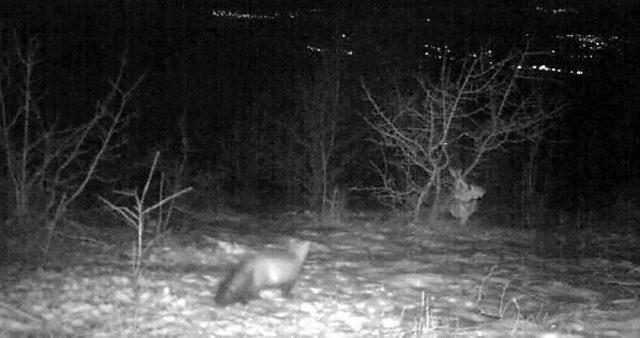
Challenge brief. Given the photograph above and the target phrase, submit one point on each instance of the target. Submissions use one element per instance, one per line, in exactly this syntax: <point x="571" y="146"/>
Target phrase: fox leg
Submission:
<point x="286" y="288"/>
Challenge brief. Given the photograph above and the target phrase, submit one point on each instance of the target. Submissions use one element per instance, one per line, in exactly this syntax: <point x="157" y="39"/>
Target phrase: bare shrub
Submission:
<point x="458" y="119"/>
<point x="136" y="215"/>
<point x="319" y="130"/>
<point x="50" y="165"/>
<point x="335" y="210"/>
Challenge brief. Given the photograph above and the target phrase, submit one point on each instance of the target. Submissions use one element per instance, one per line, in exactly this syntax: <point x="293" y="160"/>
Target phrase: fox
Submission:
<point x="464" y="200"/>
<point x="267" y="270"/>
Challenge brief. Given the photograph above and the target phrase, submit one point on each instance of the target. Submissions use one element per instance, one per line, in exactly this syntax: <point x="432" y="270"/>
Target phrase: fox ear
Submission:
<point x="455" y="173"/>
<point x="478" y="191"/>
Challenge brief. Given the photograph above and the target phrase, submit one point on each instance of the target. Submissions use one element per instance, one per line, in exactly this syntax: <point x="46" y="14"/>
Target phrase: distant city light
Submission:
<point x="556" y="11"/>
<point x="545" y="68"/>
<point x="438" y="52"/>
<point x="314" y="49"/>
<point x="590" y="41"/>
<point x="232" y="14"/>
<point x="585" y="46"/>
<point x="240" y="15"/>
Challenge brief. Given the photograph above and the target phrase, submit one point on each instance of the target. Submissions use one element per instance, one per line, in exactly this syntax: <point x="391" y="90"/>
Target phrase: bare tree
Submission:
<point x="136" y="214"/>
<point x="43" y="158"/>
<point x="318" y="128"/>
<point x="456" y="120"/>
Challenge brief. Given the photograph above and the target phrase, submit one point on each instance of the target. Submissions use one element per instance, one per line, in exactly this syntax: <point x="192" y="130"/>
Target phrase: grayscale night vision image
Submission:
<point x="330" y="168"/>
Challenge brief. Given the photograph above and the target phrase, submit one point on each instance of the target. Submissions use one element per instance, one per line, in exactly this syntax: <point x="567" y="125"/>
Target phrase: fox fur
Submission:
<point x="464" y="200"/>
<point x="268" y="270"/>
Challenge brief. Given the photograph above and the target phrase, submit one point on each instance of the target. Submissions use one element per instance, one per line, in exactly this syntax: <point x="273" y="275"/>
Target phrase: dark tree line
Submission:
<point x="272" y="120"/>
